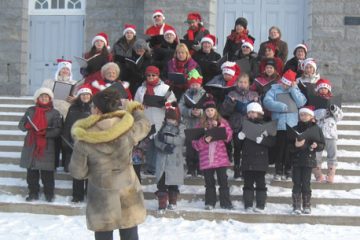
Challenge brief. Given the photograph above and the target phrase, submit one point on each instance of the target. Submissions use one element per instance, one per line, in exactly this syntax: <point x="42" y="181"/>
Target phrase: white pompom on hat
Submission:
<point x="254" y="107"/>
<point x="43" y="90"/>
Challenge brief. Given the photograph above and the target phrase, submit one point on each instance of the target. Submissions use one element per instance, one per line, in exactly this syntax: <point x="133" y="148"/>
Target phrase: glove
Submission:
<point x="259" y="139"/>
<point x="241" y="136"/>
<point x="265" y="133"/>
<point x="169" y="149"/>
<point x="161" y="137"/>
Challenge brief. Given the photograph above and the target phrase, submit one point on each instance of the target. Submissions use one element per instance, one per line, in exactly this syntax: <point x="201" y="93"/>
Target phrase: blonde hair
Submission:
<point x="204" y="119"/>
<point x="182" y="46"/>
<point x="108" y="66"/>
<point x="244" y="75"/>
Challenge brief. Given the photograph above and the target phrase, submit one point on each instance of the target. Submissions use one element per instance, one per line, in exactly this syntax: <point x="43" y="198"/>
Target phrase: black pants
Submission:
<point x="137" y="169"/>
<point x="210" y="190"/>
<point x="150" y="157"/>
<point x="162" y="187"/>
<point x="280" y="154"/>
<point x="47" y="179"/>
<point x="192" y="157"/>
<point x="79" y="188"/>
<point x="125" y="234"/>
<point x="257" y="177"/>
<point x="301" y="178"/>
<point x="237" y="149"/>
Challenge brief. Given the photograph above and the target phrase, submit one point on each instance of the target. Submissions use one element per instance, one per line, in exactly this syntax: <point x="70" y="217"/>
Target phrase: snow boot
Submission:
<point x="330" y="174"/>
<point x="296" y="197"/>
<point x="318" y="174"/>
<point x="163" y="198"/>
<point x="237" y="172"/>
<point x="173" y="196"/>
<point x="260" y="199"/>
<point x="32" y="196"/>
<point x="248" y="198"/>
<point x="306" y="197"/>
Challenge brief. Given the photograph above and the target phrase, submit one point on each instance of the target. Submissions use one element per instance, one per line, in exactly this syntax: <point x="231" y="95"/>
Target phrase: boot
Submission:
<point x="32" y="196"/>
<point x="172" y="200"/>
<point x="248" y="198"/>
<point x="163" y="198"/>
<point x="296" y="203"/>
<point x="318" y="174"/>
<point x="237" y="172"/>
<point x="330" y="174"/>
<point x="260" y="200"/>
<point x="306" y="197"/>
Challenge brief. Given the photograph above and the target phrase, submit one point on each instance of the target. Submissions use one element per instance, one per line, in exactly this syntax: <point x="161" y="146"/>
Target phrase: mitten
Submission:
<point x="241" y="136"/>
<point x="259" y="139"/>
<point x="265" y="133"/>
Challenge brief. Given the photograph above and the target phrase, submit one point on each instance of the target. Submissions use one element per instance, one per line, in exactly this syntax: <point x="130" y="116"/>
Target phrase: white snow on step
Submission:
<point x="349" y="132"/>
<point x="11" y="123"/>
<point x="12" y="143"/>
<point x="15" y="105"/>
<point x="11" y="113"/>
<point x="12" y="132"/>
<point x="17" y="98"/>
<point x="10" y="154"/>
<point x="352" y="142"/>
<point x="352" y="114"/>
<point x="61" y="184"/>
<point x="348" y="122"/>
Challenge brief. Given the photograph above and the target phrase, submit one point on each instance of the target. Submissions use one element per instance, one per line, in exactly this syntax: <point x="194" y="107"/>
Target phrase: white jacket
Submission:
<point x="327" y="121"/>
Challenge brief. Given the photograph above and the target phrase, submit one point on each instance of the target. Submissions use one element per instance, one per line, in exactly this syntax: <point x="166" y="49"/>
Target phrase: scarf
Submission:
<point x="237" y="38"/>
<point x="150" y="87"/>
<point x="191" y="33"/>
<point x="38" y="138"/>
<point x="326" y="96"/>
<point x="180" y="66"/>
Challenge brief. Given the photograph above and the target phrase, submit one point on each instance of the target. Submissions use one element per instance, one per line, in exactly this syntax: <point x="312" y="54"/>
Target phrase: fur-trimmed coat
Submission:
<point x="102" y="154"/>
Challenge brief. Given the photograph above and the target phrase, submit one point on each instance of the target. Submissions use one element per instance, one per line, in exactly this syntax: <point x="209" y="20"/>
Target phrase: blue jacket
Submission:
<point x="279" y="110"/>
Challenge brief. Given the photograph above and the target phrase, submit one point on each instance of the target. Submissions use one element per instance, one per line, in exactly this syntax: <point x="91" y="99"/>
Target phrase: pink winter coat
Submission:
<point x="213" y="154"/>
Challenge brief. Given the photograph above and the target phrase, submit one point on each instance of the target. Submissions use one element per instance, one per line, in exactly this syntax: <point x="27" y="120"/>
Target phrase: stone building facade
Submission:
<point x="333" y="44"/>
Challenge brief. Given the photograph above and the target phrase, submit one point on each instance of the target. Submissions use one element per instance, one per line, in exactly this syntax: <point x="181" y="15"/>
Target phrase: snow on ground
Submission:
<point x="15" y="226"/>
<point x="12" y="123"/>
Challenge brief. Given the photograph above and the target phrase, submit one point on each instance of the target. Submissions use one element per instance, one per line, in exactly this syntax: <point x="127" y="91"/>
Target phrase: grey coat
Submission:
<point x="170" y="164"/>
<point x="47" y="161"/>
<point x="190" y="120"/>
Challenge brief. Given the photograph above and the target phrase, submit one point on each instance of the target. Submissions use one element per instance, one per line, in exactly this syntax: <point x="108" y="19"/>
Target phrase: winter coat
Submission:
<point x="155" y="115"/>
<point x="162" y="55"/>
<point x="190" y="120"/>
<point x="190" y="65"/>
<point x="281" y="49"/>
<point x="155" y="30"/>
<point x="207" y="66"/>
<point x="102" y="154"/>
<point x="307" y="85"/>
<point x="170" y="164"/>
<point x="235" y="111"/>
<point x="93" y="70"/>
<point x="262" y="78"/>
<point x="278" y="62"/>
<point x="213" y="154"/>
<point x="279" y="109"/>
<point x="122" y="49"/>
<point x="218" y="93"/>
<point x="232" y="48"/>
<point x="293" y="64"/>
<point x="304" y="156"/>
<point x="255" y="156"/>
<point x="327" y="121"/>
<point x="47" y="161"/>
<point x="202" y="32"/>
<point x="249" y="64"/>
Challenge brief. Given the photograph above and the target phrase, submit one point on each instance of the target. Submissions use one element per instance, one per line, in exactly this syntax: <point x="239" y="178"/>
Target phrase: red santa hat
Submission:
<point x="129" y="27"/>
<point x="248" y="43"/>
<point x="303" y="46"/>
<point x="158" y="12"/>
<point x="209" y="38"/>
<point x="271" y="46"/>
<point x="103" y="37"/>
<point x="171" y="31"/>
<point x="289" y="77"/>
<point x="229" y="68"/>
<point x="85" y="88"/>
<point x="193" y="16"/>
<point x="198" y="80"/>
<point x="323" y="83"/>
<point x="307" y="109"/>
<point x="62" y="63"/>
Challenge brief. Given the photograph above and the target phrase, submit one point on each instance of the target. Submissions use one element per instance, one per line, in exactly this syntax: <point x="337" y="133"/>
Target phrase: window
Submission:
<point x="41" y="4"/>
<point x="56" y="7"/>
<point x="74" y="4"/>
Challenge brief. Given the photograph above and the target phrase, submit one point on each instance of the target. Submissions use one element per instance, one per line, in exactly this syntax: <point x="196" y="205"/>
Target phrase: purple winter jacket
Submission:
<point x="213" y="154"/>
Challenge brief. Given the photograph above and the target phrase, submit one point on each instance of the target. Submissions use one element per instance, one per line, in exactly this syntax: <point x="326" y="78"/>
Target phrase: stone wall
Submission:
<point x="336" y="46"/>
<point x="13" y="50"/>
<point x="176" y="11"/>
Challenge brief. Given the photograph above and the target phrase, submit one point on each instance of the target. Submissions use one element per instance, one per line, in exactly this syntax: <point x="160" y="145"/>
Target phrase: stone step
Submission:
<point x="54" y="209"/>
<point x="348" y="127"/>
<point x="10" y="148"/>
<point x="350" y="108"/>
<point x="12" y="137"/>
<point x="17" y="100"/>
<point x="14" y="118"/>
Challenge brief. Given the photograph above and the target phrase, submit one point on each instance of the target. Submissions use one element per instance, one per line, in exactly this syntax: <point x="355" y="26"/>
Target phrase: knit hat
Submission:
<point x="289" y="77"/>
<point x="129" y="27"/>
<point x="172" y="111"/>
<point x="248" y="43"/>
<point x="270" y="62"/>
<point x="241" y="21"/>
<point x="140" y="44"/>
<point x="229" y="68"/>
<point x="103" y="37"/>
<point x="309" y="61"/>
<point x="307" y="109"/>
<point x="43" y="90"/>
<point x="85" y="88"/>
<point x="153" y="70"/>
<point x="171" y="31"/>
<point x="62" y="63"/>
<point x="323" y="83"/>
<point x="158" y="12"/>
<point x="209" y="103"/>
<point x="271" y="46"/>
<point x="194" y="77"/>
<point x="209" y="38"/>
<point x="192" y="16"/>
<point x="254" y="107"/>
<point x="303" y="46"/>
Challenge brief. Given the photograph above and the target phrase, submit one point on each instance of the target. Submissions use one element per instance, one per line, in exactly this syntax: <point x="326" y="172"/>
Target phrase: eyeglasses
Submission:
<point x="157" y="16"/>
<point x="151" y="75"/>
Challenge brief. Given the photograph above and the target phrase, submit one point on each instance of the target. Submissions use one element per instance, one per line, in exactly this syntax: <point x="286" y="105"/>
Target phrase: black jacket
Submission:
<point x="255" y="157"/>
<point x="207" y="67"/>
<point x="162" y="55"/>
<point x="249" y="64"/>
<point x="304" y="156"/>
<point x="293" y="64"/>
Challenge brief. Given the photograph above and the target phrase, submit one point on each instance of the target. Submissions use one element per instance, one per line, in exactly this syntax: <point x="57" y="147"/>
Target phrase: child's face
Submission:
<point x="269" y="70"/>
<point x="64" y="72"/>
<point x="252" y="115"/>
<point x="85" y="97"/>
<point x="210" y="112"/>
<point x="181" y="55"/>
<point x="196" y="86"/>
<point x="284" y="86"/>
<point x="243" y="83"/>
<point x="269" y="53"/>
<point x="171" y="121"/>
<point x="305" y="117"/>
<point x="44" y="98"/>
<point x="300" y="53"/>
<point x="309" y="70"/>
<point x="239" y="28"/>
<point x="323" y="91"/>
<point x="227" y="77"/>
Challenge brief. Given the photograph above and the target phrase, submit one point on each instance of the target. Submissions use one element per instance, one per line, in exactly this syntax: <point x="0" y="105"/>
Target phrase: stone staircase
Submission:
<point x="343" y="194"/>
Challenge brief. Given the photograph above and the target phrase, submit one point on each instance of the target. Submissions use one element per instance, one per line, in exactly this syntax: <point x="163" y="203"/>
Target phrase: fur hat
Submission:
<point x="248" y="43"/>
<point x="85" y="88"/>
<point x="254" y="107"/>
<point x="210" y="39"/>
<point x="103" y="37"/>
<point x="241" y="21"/>
<point x="323" y="83"/>
<point x="307" y="109"/>
<point x="43" y="90"/>
<point x="172" y="111"/>
<point x="62" y="63"/>
<point x="303" y="46"/>
<point x="129" y="27"/>
<point x="289" y="77"/>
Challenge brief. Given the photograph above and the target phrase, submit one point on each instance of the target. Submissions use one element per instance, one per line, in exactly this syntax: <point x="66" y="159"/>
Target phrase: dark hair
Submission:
<point x="92" y="52"/>
<point x="107" y="100"/>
